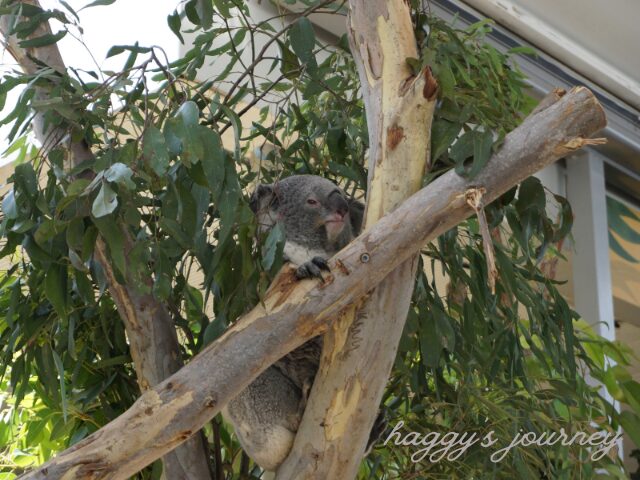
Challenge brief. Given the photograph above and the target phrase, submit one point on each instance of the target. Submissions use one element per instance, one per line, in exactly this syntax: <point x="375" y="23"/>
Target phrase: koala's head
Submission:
<point x="313" y="211"/>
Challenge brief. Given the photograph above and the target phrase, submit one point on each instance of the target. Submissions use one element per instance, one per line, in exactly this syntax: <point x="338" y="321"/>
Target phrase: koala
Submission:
<point x="318" y="221"/>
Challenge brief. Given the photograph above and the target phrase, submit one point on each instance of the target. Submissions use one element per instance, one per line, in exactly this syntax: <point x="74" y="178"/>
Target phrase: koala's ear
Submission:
<point x="356" y="214"/>
<point x="261" y="196"/>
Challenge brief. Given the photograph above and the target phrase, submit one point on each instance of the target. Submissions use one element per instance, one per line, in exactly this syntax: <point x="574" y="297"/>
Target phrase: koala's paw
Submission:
<point x="312" y="268"/>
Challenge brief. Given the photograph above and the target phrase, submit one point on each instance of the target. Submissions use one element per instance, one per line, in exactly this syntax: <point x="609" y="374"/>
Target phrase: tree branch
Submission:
<point x="294" y="312"/>
<point x="359" y="350"/>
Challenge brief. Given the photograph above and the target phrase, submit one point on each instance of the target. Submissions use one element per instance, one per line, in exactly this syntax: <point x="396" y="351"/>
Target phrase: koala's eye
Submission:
<point x="311" y="201"/>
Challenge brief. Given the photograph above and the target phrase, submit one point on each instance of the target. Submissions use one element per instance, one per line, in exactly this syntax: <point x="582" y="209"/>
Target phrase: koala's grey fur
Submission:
<point x="266" y="415"/>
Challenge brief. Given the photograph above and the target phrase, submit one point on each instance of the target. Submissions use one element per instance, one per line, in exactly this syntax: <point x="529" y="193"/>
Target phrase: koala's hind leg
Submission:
<point x="266" y="416"/>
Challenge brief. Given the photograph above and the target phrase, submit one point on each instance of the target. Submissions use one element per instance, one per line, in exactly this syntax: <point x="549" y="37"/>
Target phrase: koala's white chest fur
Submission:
<point x="298" y="254"/>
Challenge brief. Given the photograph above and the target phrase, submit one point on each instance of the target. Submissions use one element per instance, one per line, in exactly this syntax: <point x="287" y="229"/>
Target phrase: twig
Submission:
<point x="264" y="49"/>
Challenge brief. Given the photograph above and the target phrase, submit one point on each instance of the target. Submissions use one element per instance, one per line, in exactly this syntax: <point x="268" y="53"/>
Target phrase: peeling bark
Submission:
<point x="359" y="350"/>
<point x="294" y="312"/>
<point x="150" y="329"/>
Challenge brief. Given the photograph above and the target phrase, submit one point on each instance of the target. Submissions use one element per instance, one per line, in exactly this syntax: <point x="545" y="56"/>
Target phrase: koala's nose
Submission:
<point x="340" y="205"/>
<point x="337" y="203"/>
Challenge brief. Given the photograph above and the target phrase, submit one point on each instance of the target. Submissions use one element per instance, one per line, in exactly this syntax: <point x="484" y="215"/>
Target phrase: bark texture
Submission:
<point x="293" y="312"/>
<point x="150" y="329"/>
<point x="360" y="349"/>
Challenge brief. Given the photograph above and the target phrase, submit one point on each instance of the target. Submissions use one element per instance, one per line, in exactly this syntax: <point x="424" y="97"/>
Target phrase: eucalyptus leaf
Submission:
<point x="9" y="208"/>
<point x="55" y="289"/>
<point x="303" y="40"/>
<point x="43" y="40"/>
<point x="121" y="174"/>
<point x="98" y="3"/>
<point x="105" y="202"/>
<point x="173" y="20"/>
<point x="154" y="150"/>
<point x="272" y="253"/>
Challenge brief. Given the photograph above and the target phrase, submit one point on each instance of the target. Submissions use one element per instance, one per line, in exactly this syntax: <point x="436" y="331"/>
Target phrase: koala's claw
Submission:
<point x="306" y="390"/>
<point x="312" y="268"/>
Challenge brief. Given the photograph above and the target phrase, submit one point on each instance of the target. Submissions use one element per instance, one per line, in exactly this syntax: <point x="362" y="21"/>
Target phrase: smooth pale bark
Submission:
<point x="293" y="312"/>
<point x="150" y="329"/>
<point x="359" y="350"/>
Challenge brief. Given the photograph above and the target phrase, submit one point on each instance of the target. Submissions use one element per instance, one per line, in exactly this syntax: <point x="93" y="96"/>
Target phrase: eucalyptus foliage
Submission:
<point x="470" y="360"/>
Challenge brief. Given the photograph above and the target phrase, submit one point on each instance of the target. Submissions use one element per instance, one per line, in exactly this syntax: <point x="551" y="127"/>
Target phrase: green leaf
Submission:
<point x="175" y="231"/>
<point x="70" y="10"/>
<point x="84" y="287"/>
<point x="105" y="203"/>
<point x="9" y="207"/>
<point x="174" y="23"/>
<point x="227" y="205"/>
<point x="77" y="187"/>
<point x="205" y="12"/>
<point x="531" y="196"/>
<point x="23" y="226"/>
<point x="55" y="288"/>
<point x="34" y="251"/>
<point x="189" y="113"/>
<point x="88" y="242"/>
<point x="191" y="11"/>
<point x="273" y="248"/>
<point x="25" y="179"/>
<point x="194" y="304"/>
<point x="430" y="346"/>
<point x="48" y="229"/>
<point x="213" y="160"/>
<point x="462" y="149"/>
<point x="303" y="40"/>
<point x="289" y="65"/>
<point x="63" y="388"/>
<point x="630" y="423"/>
<point x="223" y="8"/>
<point x="76" y="261"/>
<point x="44" y="40"/>
<point x="631" y="390"/>
<point x="172" y="134"/>
<point x="443" y="134"/>
<point x="237" y="129"/>
<point x="213" y="331"/>
<point x="113" y="237"/>
<point x="482" y="143"/>
<point x="98" y="3"/>
<point x="134" y="49"/>
<point x="566" y="218"/>
<point x="181" y="134"/>
<point x="121" y="174"/>
<point x="154" y="150"/>
<point x="115" y="50"/>
<point x="79" y="435"/>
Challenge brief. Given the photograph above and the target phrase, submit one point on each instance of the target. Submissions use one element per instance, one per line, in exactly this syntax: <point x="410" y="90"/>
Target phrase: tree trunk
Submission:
<point x="295" y="311"/>
<point x="150" y="329"/>
<point x="360" y="349"/>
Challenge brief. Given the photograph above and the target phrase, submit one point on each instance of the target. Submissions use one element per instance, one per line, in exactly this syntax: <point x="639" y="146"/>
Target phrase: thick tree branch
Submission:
<point x="150" y="330"/>
<point x="359" y="350"/>
<point x="293" y="312"/>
